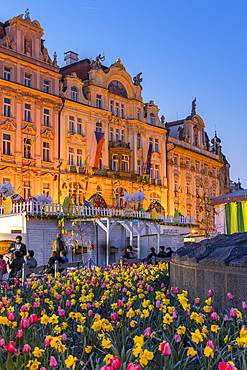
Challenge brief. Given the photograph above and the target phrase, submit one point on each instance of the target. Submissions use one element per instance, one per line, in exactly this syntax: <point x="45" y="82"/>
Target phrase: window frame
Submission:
<point x="125" y="163"/>
<point x="46" y="150"/>
<point x="138" y="140"/>
<point x="79" y="126"/>
<point x="71" y="153"/>
<point x="115" y="161"/>
<point x="7" y="107"/>
<point x="72" y="124"/>
<point x="79" y="159"/>
<point x="98" y="127"/>
<point x="47" y="121"/>
<point x="27" y="81"/>
<point x="27" y="112"/>
<point x="7" y="74"/>
<point x="6" y="144"/>
<point x="152" y="119"/>
<point x="46" y="86"/>
<point x="27" y="148"/>
<point x="99" y="101"/>
<point x="74" y="93"/>
<point x="46" y="189"/>
<point x="156" y="145"/>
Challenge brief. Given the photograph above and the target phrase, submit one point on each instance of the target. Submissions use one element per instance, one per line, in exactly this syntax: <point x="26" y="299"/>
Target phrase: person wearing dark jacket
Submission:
<point x="17" y="246"/>
<point x="169" y="252"/>
<point x="31" y="261"/>
<point x="149" y="258"/>
<point x="58" y="244"/>
<point x="16" y="264"/>
<point x="51" y="261"/>
<point x="162" y="253"/>
<point x="128" y="254"/>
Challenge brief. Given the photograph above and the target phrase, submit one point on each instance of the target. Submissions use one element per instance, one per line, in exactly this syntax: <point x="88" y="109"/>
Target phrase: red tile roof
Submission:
<point x="80" y="68"/>
<point x="2" y="33"/>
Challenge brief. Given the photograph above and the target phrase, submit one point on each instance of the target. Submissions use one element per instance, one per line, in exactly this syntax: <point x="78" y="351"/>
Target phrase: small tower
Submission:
<point x="216" y="147"/>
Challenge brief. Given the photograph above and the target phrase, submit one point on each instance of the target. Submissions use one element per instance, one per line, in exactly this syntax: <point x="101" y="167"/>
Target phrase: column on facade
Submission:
<point x="38" y="143"/>
<point x="132" y="141"/>
<point x="163" y="161"/>
<point x="106" y="145"/>
<point x="18" y="138"/>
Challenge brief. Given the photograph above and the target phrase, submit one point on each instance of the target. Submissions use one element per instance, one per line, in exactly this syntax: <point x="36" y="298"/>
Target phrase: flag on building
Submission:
<point x="96" y="148"/>
<point x="150" y="149"/>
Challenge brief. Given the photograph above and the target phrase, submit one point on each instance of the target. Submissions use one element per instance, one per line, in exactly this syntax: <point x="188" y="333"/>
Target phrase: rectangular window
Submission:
<point x="188" y="187"/>
<point x="79" y="158"/>
<point x="123" y="136"/>
<point x="214" y="171"/>
<point x="175" y="160"/>
<point x="27" y="189"/>
<point x="175" y="186"/>
<point x="79" y="126"/>
<point x="117" y="134"/>
<point x="7" y="107"/>
<point x="197" y="166"/>
<point x="71" y="124"/>
<point x="46" y="188"/>
<point x="28" y="112"/>
<point x="115" y="162"/>
<point x="46" y="86"/>
<point x="112" y="106"/>
<point x="46" y="151"/>
<point x="157" y="171"/>
<point x="28" y="80"/>
<point x="98" y="101"/>
<point x="139" y="167"/>
<point x="138" y="114"/>
<point x="125" y="163"/>
<point x="152" y="172"/>
<point x="117" y="109"/>
<point x="6" y="144"/>
<point x="156" y="146"/>
<point x="47" y="117"/>
<point x="99" y="126"/>
<point x="122" y="110"/>
<point x="187" y="163"/>
<point x="71" y="156"/>
<point x="206" y="170"/>
<point x="27" y="148"/>
<point x="138" y="140"/>
<point x="111" y="134"/>
<point x="101" y="163"/>
<point x="7" y="73"/>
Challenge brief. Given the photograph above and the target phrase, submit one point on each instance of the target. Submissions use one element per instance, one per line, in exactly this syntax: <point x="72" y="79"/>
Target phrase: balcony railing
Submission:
<point x="54" y="209"/>
<point x="119" y="144"/>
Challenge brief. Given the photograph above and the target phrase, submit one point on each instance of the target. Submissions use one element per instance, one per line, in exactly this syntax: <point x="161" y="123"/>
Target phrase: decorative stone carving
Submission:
<point x="96" y="64"/>
<point x="8" y="125"/>
<point x="181" y="133"/>
<point x="47" y="134"/>
<point x="76" y="139"/>
<point x="137" y="79"/>
<point x="28" y="130"/>
<point x="8" y="42"/>
<point x="193" y="109"/>
<point x="118" y="64"/>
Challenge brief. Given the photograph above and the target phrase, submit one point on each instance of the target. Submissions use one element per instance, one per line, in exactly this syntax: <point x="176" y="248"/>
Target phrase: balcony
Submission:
<point x="119" y="144"/>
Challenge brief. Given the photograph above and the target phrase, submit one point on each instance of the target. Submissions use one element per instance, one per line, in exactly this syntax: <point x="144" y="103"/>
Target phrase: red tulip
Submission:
<point x="24" y="308"/>
<point x="42" y="368"/>
<point x="214" y="316"/>
<point x="11" y="348"/>
<point x="210" y="293"/>
<point x="176" y="290"/>
<point x="33" y="318"/>
<point x="115" y="363"/>
<point x="233" y="313"/>
<point x="35" y="295"/>
<point x="53" y="362"/>
<point x="48" y="342"/>
<point x="147" y="332"/>
<point x="226" y="366"/>
<point x="210" y="344"/>
<point x="120" y="303"/>
<point x="244" y="305"/>
<point x="168" y="292"/>
<point x="165" y="349"/>
<point x="19" y="334"/>
<point x="114" y="317"/>
<point x="133" y="367"/>
<point x="11" y="316"/>
<point x="24" y="323"/>
<point x="26" y="348"/>
<point x="230" y="296"/>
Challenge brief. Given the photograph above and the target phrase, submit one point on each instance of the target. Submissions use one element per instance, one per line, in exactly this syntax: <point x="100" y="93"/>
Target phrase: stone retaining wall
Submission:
<point x="198" y="278"/>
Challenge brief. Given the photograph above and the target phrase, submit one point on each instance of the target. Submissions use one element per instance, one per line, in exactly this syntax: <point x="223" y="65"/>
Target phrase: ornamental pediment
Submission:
<point x="74" y="138"/>
<point x="47" y="176"/>
<point x="8" y="125"/>
<point x="28" y="130"/>
<point x="156" y="156"/>
<point x="8" y="170"/>
<point x="47" y="135"/>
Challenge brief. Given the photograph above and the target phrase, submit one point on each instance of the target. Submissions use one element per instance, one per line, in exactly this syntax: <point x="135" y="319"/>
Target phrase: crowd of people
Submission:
<point x="130" y="253"/>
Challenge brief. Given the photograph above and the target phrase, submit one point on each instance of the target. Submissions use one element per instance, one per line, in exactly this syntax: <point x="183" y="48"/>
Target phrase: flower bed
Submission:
<point x="116" y="318"/>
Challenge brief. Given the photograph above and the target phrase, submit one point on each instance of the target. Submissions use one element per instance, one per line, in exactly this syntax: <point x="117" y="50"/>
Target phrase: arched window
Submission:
<point x="154" y="197"/>
<point x="99" y="190"/>
<point x="152" y="119"/>
<point x="76" y="192"/>
<point x="27" y="45"/>
<point x="74" y="93"/>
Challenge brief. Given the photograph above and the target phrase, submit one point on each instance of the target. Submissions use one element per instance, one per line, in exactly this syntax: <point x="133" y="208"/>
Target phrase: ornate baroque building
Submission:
<point x="49" y="116"/>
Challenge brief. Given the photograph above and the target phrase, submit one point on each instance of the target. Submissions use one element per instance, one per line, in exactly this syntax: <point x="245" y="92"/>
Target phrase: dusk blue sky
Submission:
<point x="184" y="48"/>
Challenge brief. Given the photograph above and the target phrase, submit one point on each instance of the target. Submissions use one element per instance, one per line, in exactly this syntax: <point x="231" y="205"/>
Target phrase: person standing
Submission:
<point x="16" y="265"/>
<point x="17" y="246"/>
<point x="58" y="244"/>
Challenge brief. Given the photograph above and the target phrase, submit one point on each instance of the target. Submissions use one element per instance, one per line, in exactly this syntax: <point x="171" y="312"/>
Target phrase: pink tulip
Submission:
<point x="35" y="305"/>
<point x="114" y="317"/>
<point x="11" y="316"/>
<point x="26" y="348"/>
<point x="64" y="337"/>
<point x="58" y="297"/>
<point x="165" y="349"/>
<point x="53" y="362"/>
<point x="176" y="290"/>
<point x="90" y="312"/>
<point x="48" y="342"/>
<point x="115" y="363"/>
<point x="226" y="366"/>
<point x="19" y="334"/>
<point x="133" y="367"/>
<point x="210" y="344"/>
<point x="158" y="304"/>
<point x="24" y="308"/>
<point x="124" y="290"/>
<point x="244" y="305"/>
<point x="214" y="316"/>
<point x="106" y="368"/>
<point x="197" y="301"/>
<point x="2" y="342"/>
<point x="120" y="303"/>
<point x="210" y="293"/>
<point x="233" y="313"/>
<point x="68" y="291"/>
<point x="33" y="318"/>
<point x="174" y="313"/>
<point x="35" y="295"/>
<point x="41" y="295"/>
<point x="147" y="332"/>
<point x="24" y="323"/>
<point x="230" y="296"/>
<point x="67" y="304"/>
<point x="118" y="287"/>
<point x="188" y="313"/>
<point x="42" y="368"/>
<point x="226" y="318"/>
<point x="177" y="338"/>
<point x="61" y="313"/>
<point x="5" y="302"/>
<point x="162" y="285"/>
<point x="168" y="292"/>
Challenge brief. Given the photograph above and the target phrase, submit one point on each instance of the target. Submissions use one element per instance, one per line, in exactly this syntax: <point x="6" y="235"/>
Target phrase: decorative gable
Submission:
<point x="8" y="125"/>
<point x="28" y="130"/>
<point x="47" y="135"/>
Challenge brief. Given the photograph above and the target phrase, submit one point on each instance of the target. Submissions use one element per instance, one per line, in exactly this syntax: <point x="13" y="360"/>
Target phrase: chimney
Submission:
<point x="70" y="57"/>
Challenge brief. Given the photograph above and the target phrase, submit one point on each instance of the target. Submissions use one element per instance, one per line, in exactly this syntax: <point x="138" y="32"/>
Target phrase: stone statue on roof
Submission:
<point x="137" y="79"/>
<point x="96" y="64"/>
<point x="193" y="110"/>
<point x="181" y="133"/>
